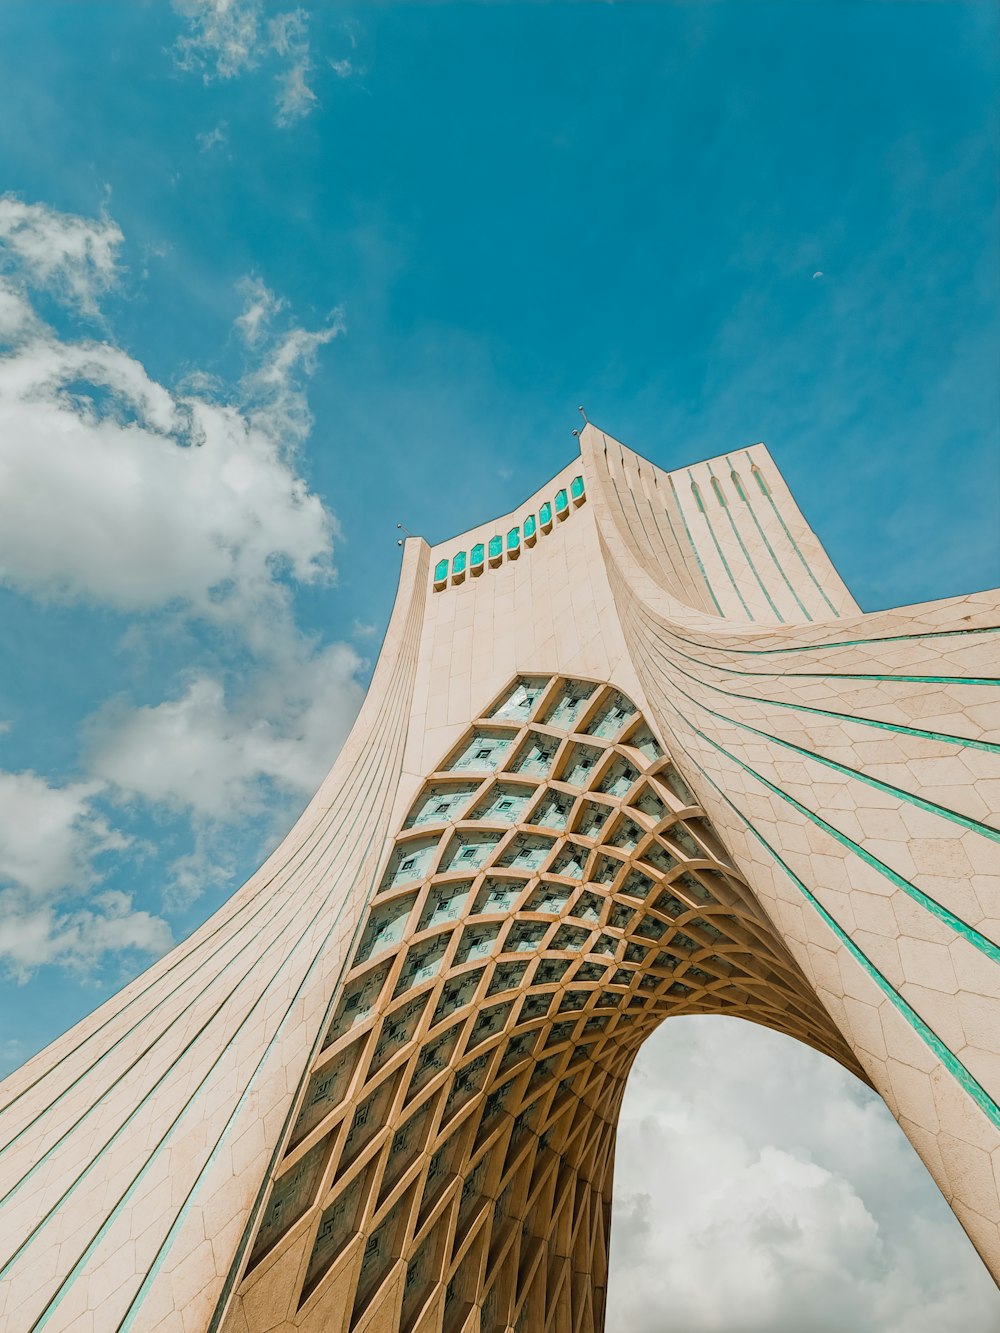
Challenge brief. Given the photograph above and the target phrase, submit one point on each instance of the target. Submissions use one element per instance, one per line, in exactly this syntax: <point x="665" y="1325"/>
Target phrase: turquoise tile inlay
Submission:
<point x="562" y="502"/>
<point x="478" y="555"/>
<point x="496" y="547"/>
<point x="530" y="527"/>
<point x="944" y="737"/>
<point x="441" y="571"/>
<point x="943" y="914"/>
<point x="947" y="1057"/>
<point x="545" y="514"/>
<point x="694" y="549"/>
<point x="576" y="488"/>
<point x="766" y="491"/>
<point x="514" y="539"/>
<point x="458" y="563"/>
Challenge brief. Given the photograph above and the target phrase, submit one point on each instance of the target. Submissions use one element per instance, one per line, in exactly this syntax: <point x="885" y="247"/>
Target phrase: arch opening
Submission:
<point x="555" y="892"/>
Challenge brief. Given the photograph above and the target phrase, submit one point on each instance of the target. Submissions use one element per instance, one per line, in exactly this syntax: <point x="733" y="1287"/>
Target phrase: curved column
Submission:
<point x="849" y="766"/>
<point x="132" y="1150"/>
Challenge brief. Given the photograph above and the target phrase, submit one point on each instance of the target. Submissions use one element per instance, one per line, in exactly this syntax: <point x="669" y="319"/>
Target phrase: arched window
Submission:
<point x="718" y="492"/>
<point x="697" y="497"/>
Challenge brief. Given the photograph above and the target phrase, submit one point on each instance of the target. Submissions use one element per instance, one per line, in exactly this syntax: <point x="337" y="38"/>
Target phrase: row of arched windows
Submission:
<point x="492" y="552"/>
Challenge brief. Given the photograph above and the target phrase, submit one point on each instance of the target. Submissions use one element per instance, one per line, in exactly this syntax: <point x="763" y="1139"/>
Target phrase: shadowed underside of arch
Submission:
<point x="556" y="892"/>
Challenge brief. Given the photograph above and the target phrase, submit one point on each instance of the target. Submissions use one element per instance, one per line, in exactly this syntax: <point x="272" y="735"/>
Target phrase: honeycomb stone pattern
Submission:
<point x="554" y="894"/>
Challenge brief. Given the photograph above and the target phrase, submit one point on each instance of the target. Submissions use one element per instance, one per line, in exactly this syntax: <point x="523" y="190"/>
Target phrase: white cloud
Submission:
<point x="49" y="839"/>
<point x="289" y="32"/>
<point x="342" y="68"/>
<point x="205" y="754"/>
<point x="295" y="98"/>
<point x="223" y="761"/>
<point x="17" y="318"/>
<point x="80" y="939"/>
<point x="759" y="1188"/>
<point x="261" y="305"/>
<point x="75" y="258"/>
<point x="213" y="138"/>
<point x="275" y="402"/>
<point x="49" y="835"/>
<point x="186" y="508"/>
<point x="118" y="490"/>
<point x="223" y="37"/>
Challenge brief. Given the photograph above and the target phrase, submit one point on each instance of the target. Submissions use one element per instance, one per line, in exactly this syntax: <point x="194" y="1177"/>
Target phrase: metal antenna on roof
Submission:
<point x="577" y="434"/>
<point x="400" y="541"/>
<point x="583" y="414"/>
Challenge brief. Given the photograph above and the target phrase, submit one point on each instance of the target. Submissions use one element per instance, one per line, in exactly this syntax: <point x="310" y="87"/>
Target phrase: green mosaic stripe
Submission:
<point x="639" y="523"/>
<point x="920" y="733"/>
<point x="960" y="927"/>
<point x="734" y="476"/>
<point x="725" y="562"/>
<point x="687" y="575"/>
<point x="691" y="543"/>
<point x="749" y="560"/>
<point x="900" y="793"/>
<point x="766" y="492"/>
<point x="363" y="766"/>
<point x="841" y="675"/>
<point x="840" y="643"/>
<point x="239" y="922"/>
<point x="60" y="1294"/>
<point x="951" y="1062"/>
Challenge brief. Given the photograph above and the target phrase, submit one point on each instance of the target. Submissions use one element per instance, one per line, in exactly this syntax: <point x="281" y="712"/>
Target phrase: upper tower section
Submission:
<point x="723" y="537"/>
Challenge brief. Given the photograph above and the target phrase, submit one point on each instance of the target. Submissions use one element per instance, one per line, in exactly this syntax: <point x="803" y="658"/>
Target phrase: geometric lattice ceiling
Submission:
<point x="554" y="894"/>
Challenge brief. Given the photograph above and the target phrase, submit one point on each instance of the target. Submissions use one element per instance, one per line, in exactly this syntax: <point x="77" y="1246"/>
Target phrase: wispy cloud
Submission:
<point x="73" y="257"/>
<point x="226" y="38"/>
<point x="51" y="838"/>
<point x="222" y="37"/>
<point x="213" y="138"/>
<point x="295" y="98"/>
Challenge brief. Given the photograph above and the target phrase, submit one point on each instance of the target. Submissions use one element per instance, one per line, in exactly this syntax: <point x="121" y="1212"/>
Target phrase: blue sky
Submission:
<point x="373" y="257"/>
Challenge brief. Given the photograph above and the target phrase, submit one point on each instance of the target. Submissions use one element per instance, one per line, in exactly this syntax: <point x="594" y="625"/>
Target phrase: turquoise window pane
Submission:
<point x="576" y="487"/>
<point x="441" y="571"/>
<point x="478" y="555"/>
<point x="458" y="564"/>
<point x="513" y="539"/>
<point x="545" y="514"/>
<point x="530" y="525"/>
<point x="496" y="547"/>
<point x="561" y="502"/>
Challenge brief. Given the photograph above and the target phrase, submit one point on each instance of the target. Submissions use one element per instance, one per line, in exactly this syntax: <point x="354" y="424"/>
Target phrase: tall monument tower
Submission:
<point x="629" y="751"/>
